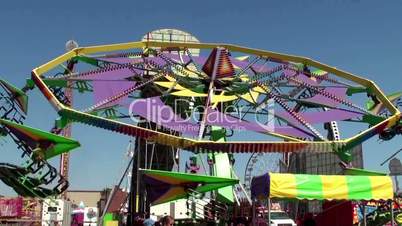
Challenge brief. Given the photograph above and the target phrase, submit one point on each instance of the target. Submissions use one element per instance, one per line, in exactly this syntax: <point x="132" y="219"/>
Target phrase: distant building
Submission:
<point x="89" y="198"/>
<point x="98" y="199"/>
<point x="320" y="164"/>
<point x="323" y="163"/>
<point x="14" y="210"/>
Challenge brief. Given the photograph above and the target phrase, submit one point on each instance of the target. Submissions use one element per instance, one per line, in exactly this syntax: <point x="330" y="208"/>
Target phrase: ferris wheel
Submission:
<point x="260" y="163"/>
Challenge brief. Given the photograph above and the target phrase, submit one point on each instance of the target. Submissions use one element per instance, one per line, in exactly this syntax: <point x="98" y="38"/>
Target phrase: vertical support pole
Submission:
<point x="364" y="216"/>
<point x="193" y="208"/>
<point x="146" y="155"/>
<point x="133" y="201"/>
<point x="396" y="184"/>
<point x="253" y="213"/>
<point x="65" y="157"/>
<point x="269" y="211"/>
<point x="391" y="203"/>
<point x="177" y="158"/>
<point x="137" y="189"/>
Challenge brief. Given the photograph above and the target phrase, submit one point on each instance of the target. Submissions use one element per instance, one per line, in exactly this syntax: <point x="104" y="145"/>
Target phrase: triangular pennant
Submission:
<point x="165" y="186"/>
<point x="52" y="144"/>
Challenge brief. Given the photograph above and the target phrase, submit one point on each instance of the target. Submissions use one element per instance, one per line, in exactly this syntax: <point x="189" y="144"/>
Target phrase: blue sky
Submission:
<point x="362" y="37"/>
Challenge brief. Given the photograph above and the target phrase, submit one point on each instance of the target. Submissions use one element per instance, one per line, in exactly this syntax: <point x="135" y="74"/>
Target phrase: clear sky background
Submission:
<point x="362" y="37"/>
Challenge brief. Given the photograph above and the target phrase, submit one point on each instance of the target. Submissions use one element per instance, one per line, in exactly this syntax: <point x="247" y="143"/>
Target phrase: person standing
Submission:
<point x="148" y="220"/>
<point x="167" y="221"/>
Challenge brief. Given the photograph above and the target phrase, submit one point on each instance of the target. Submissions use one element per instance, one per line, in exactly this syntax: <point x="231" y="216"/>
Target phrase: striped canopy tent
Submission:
<point x="45" y="143"/>
<point x="320" y="187"/>
<point x="165" y="186"/>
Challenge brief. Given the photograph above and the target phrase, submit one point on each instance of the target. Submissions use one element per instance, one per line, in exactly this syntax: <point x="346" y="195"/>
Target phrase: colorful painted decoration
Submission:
<point x="45" y="144"/>
<point x="163" y="186"/>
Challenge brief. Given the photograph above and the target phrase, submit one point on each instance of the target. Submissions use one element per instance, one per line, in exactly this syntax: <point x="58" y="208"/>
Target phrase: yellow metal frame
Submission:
<point x="361" y="137"/>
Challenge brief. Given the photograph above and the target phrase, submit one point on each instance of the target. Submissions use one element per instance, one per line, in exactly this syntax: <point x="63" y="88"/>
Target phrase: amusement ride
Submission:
<point x="211" y="99"/>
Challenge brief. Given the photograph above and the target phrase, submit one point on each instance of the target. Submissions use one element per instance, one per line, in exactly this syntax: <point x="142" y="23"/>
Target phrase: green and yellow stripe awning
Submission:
<point x="320" y="187"/>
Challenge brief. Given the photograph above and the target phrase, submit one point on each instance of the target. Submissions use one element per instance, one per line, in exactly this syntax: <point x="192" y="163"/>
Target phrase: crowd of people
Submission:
<point x="148" y="221"/>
